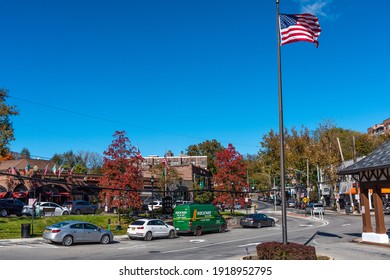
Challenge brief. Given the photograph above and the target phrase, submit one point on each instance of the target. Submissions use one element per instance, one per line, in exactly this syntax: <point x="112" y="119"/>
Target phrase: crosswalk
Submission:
<point x="32" y="245"/>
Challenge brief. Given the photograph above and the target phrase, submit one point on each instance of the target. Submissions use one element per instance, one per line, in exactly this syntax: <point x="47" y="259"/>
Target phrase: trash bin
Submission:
<point x="348" y="209"/>
<point x="26" y="230"/>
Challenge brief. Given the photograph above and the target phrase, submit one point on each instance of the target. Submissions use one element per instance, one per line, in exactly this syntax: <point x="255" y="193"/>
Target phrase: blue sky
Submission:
<point x="178" y="72"/>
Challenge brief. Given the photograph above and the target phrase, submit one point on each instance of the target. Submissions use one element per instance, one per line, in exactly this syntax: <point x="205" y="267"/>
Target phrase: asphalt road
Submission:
<point x="333" y="236"/>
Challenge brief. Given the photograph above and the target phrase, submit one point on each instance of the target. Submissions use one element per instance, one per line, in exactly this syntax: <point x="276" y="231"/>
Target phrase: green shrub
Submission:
<point x="289" y="251"/>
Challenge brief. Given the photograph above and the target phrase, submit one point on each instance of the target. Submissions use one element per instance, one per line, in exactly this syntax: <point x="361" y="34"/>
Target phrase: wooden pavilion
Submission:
<point x="372" y="173"/>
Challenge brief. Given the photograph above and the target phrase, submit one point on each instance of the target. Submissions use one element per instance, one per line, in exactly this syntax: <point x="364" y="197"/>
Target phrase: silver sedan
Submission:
<point x="69" y="232"/>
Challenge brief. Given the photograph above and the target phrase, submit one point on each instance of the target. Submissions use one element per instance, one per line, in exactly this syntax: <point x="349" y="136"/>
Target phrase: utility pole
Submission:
<point x="307" y="178"/>
<point x="356" y="186"/>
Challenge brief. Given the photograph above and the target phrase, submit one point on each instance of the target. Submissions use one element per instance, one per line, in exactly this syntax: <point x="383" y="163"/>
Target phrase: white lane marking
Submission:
<point x="197" y="240"/>
<point x="249" y="244"/>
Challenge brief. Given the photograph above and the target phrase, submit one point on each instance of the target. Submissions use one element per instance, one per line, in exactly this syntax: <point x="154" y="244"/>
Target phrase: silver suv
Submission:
<point x="80" y="207"/>
<point x="315" y="208"/>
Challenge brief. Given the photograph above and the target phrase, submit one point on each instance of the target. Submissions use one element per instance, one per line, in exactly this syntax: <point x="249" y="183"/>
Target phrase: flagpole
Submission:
<point x="281" y="131"/>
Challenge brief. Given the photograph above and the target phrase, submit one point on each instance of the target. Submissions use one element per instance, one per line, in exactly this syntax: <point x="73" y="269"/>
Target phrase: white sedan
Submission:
<point x="46" y="209"/>
<point x="148" y="229"/>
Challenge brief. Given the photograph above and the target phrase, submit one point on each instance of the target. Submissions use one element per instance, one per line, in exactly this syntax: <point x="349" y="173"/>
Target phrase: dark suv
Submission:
<point x="80" y="207"/>
<point x="9" y="206"/>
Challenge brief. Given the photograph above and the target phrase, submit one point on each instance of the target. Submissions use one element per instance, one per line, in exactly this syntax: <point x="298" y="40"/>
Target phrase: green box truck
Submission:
<point x="198" y="218"/>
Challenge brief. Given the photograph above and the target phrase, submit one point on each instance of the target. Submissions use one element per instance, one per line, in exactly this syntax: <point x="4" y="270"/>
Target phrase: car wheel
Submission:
<point x="222" y="228"/>
<point x="171" y="234"/>
<point x="272" y="223"/>
<point x="67" y="241"/>
<point x="65" y="213"/>
<point x="78" y="212"/>
<point x="148" y="236"/>
<point x="3" y="213"/>
<point x="198" y="231"/>
<point x="259" y="225"/>
<point x="105" y="239"/>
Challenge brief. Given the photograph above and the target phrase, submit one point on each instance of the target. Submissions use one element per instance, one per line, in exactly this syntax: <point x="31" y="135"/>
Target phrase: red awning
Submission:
<point x="52" y="194"/>
<point x="19" y="194"/>
<point x="66" y="194"/>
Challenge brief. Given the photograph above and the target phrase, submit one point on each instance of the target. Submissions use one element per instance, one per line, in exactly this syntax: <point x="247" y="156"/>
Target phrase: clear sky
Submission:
<point x="172" y="73"/>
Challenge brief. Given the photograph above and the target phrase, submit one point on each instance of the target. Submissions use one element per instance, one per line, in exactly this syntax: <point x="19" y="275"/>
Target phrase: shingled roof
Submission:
<point x="380" y="158"/>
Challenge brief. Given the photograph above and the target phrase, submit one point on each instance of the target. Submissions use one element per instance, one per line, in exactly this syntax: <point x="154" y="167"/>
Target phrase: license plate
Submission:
<point x="47" y="230"/>
<point x="133" y="228"/>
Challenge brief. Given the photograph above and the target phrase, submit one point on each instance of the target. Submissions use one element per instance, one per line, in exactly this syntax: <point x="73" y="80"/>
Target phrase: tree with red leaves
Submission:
<point x="122" y="175"/>
<point x="230" y="180"/>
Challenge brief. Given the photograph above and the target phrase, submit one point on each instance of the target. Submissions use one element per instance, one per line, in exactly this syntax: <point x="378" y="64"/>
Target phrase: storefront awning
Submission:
<point x="19" y="194"/>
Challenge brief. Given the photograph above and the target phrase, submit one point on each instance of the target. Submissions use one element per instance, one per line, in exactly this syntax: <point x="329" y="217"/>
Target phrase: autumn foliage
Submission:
<point x="230" y="180"/>
<point x="122" y="177"/>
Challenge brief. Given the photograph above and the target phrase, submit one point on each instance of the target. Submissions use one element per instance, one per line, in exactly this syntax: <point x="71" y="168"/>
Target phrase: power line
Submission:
<point x="121" y="122"/>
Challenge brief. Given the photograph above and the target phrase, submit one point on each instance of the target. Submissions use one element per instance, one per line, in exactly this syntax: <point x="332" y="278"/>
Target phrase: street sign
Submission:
<point x="305" y="199"/>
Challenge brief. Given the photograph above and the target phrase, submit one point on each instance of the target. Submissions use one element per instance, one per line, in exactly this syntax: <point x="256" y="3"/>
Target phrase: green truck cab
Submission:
<point x="198" y="218"/>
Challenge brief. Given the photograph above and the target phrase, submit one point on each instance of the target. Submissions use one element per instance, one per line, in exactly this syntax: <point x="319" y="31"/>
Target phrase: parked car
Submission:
<point x="80" y="207"/>
<point x="237" y="206"/>
<point x="256" y="220"/>
<point x="181" y="202"/>
<point x="315" y="208"/>
<point x="46" y="209"/>
<point x="10" y="206"/>
<point x="386" y="208"/>
<point x="69" y="232"/>
<point x="155" y="205"/>
<point x="291" y="203"/>
<point x="149" y="229"/>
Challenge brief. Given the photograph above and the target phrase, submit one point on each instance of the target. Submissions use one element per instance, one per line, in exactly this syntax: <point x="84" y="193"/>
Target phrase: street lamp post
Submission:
<point x="35" y="169"/>
<point x="181" y="193"/>
<point x="232" y="195"/>
<point x="152" y="182"/>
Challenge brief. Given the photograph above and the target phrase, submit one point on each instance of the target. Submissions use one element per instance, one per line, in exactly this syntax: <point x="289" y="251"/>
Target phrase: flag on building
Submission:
<point x="54" y="169"/>
<point x="28" y="167"/>
<point x="59" y="170"/>
<point x="71" y="170"/>
<point x="139" y="155"/>
<point x="13" y="171"/>
<point x="299" y="27"/>
<point x="164" y="161"/>
<point x="46" y="169"/>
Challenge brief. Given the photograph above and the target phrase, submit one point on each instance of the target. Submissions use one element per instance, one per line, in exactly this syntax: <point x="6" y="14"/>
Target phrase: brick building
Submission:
<point x="381" y="128"/>
<point x="35" y="178"/>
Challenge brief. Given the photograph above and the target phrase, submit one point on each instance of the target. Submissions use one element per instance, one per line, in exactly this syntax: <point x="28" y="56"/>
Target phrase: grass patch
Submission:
<point x="10" y="227"/>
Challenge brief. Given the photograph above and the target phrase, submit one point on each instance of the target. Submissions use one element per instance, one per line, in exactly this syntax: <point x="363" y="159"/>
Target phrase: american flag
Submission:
<point x="46" y="169"/>
<point x="164" y="161"/>
<point x="299" y="27"/>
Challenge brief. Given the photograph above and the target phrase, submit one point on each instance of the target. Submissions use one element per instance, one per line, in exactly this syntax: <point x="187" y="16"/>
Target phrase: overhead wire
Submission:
<point x="121" y="122"/>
